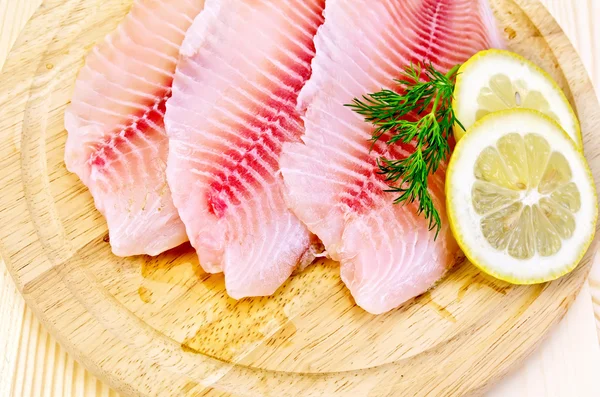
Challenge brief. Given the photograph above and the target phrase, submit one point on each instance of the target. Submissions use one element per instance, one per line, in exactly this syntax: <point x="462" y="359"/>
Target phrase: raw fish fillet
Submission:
<point x="117" y="142"/>
<point x="386" y="251"/>
<point x="233" y="106"/>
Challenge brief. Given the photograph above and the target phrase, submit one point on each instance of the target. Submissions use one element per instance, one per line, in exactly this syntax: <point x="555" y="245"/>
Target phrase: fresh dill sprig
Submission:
<point x="422" y="114"/>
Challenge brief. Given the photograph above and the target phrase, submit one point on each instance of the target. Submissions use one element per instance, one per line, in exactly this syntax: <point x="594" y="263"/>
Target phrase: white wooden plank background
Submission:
<point x="567" y="364"/>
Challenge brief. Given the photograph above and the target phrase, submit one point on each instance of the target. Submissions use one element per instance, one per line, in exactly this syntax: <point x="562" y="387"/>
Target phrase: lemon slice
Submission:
<point x="521" y="201"/>
<point x="501" y="80"/>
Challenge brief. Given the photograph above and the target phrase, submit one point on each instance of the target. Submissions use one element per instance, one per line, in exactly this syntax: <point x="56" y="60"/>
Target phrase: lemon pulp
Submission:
<point x="502" y="93"/>
<point x="524" y="195"/>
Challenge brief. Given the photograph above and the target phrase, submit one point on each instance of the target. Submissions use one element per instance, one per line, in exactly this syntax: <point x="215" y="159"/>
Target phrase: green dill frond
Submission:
<point x="427" y="94"/>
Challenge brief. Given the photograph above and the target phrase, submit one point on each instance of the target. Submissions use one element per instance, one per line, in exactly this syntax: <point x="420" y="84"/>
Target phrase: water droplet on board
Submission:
<point x="510" y="32"/>
<point x="145" y="294"/>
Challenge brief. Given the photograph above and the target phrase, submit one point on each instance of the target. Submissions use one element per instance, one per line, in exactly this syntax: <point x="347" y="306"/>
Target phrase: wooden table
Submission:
<point x="567" y="364"/>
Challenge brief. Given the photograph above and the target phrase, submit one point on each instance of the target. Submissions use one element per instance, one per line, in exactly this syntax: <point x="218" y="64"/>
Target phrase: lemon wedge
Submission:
<point x="501" y="80"/>
<point x="520" y="197"/>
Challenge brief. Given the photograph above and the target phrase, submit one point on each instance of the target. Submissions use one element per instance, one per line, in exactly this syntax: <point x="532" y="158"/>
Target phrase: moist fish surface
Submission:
<point x="233" y="106"/>
<point x="116" y="141"/>
<point x="332" y="183"/>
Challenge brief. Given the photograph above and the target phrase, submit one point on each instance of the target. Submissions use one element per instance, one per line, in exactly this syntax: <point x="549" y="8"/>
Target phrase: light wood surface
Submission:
<point x="156" y="276"/>
<point x="579" y="20"/>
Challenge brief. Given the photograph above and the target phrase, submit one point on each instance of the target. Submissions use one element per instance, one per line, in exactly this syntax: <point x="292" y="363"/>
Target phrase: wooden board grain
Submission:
<point x="13" y="15"/>
<point x="161" y="326"/>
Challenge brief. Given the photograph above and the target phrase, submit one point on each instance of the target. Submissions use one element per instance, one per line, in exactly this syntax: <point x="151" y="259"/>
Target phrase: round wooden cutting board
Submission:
<point x="161" y="326"/>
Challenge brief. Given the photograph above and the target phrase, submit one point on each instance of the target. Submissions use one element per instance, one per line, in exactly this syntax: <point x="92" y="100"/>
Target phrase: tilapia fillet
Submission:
<point x="116" y="140"/>
<point x="233" y="106"/>
<point x="386" y="251"/>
